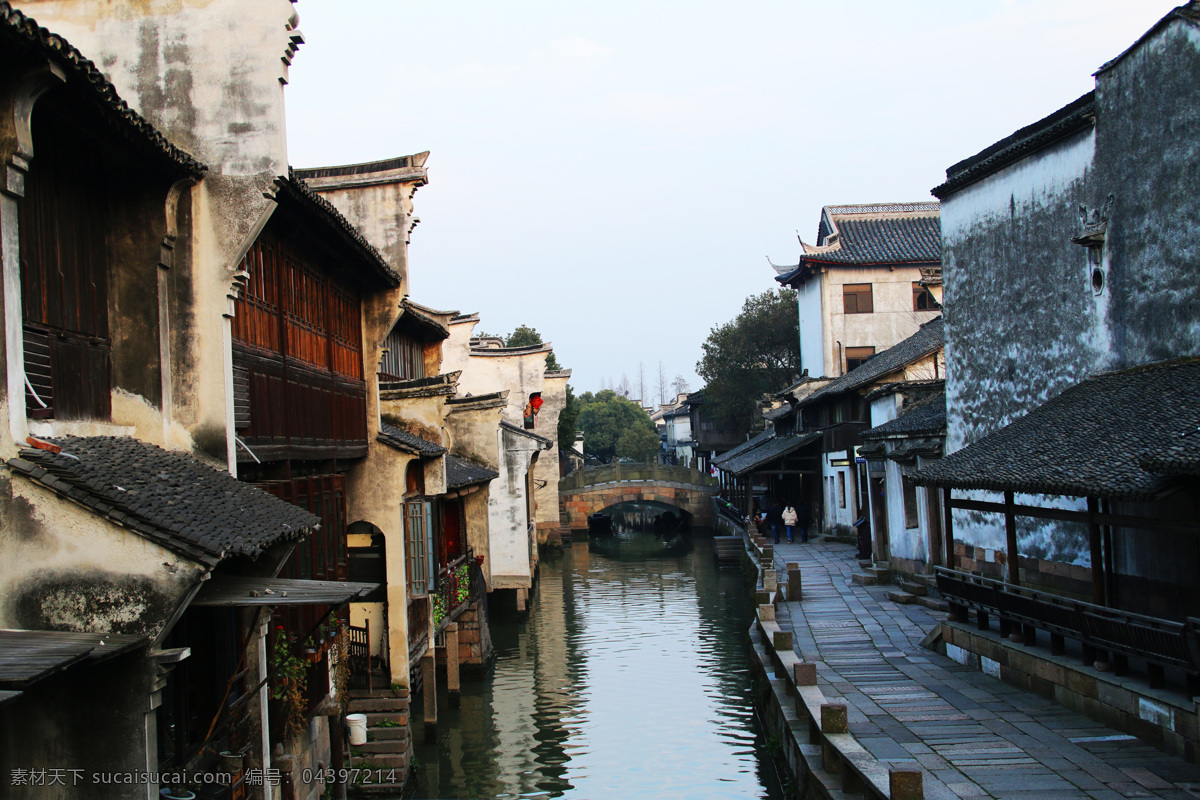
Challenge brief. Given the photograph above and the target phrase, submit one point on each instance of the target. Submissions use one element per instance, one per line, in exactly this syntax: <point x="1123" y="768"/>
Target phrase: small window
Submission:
<point x="910" y="503"/>
<point x="857" y="356"/>
<point x="923" y="299"/>
<point x="857" y="298"/>
<point x="841" y="484"/>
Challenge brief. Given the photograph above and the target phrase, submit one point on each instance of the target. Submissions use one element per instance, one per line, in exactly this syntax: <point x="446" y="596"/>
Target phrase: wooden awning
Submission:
<point x="244" y="590"/>
<point x="27" y="657"/>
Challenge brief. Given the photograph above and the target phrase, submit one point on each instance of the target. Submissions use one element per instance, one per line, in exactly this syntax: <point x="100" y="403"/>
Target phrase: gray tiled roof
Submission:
<point x="1088" y="441"/>
<point x="749" y="444"/>
<point x="1180" y="457"/>
<point x="524" y="432"/>
<point x="408" y="442"/>
<point x="891" y="234"/>
<point x="295" y="187"/>
<point x="767" y="452"/>
<point x="929" y="339"/>
<point x="461" y="472"/>
<point x="927" y="416"/>
<point x="85" y="76"/>
<point x="169" y="497"/>
<point x="1080" y="114"/>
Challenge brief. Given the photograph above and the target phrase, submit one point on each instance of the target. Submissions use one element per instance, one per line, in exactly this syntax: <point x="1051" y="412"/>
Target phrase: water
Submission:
<point x="628" y="679"/>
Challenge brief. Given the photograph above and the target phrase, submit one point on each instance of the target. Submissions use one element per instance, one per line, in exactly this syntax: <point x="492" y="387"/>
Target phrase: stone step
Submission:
<point x="398" y="733"/>
<point x="912" y="587"/>
<point x="377" y="789"/>
<point x="934" y="603"/>
<point x="389" y="747"/>
<point x="883" y="573"/>
<point x="399" y="717"/>
<point x="399" y="691"/>
<point x="362" y="705"/>
<point x="864" y="579"/>
<point x="865" y="562"/>
<point x="929" y="581"/>
<point x="378" y="760"/>
<point x="902" y="597"/>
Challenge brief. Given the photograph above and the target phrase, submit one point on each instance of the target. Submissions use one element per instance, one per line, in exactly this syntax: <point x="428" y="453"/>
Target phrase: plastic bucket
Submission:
<point x="357" y="723"/>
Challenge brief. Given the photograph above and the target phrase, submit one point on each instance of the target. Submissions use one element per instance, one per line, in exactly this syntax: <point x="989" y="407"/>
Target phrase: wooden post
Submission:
<point x="453" y="685"/>
<point x="429" y="693"/>
<point x="1010" y="529"/>
<point x="1097" y="552"/>
<point x="949" y="527"/>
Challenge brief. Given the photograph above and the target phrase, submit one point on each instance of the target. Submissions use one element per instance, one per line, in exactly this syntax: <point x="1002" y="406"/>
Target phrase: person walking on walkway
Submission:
<point x="775" y="519"/>
<point x="790" y="517"/>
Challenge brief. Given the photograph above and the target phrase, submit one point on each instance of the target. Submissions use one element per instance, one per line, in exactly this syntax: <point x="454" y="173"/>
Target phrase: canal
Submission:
<point x="629" y="678"/>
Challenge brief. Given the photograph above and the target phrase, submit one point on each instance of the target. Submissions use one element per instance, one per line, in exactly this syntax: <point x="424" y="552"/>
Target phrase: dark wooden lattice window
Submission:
<point x="404" y="359"/>
<point x="64" y="278"/>
<point x="298" y="368"/>
<point x="857" y="298"/>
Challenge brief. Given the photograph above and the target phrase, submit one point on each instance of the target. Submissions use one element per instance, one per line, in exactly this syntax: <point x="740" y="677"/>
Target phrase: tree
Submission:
<point x="680" y="385"/>
<point x="568" y="420"/>
<point x="662" y="384"/>
<point x="525" y="336"/>
<point x="641" y="384"/>
<point x="757" y="353"/>
<point x="639" y="443"/>
<point x="605" y="417"/>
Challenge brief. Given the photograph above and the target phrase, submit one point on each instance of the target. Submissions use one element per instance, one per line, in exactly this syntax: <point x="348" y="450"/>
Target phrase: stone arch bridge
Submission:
<point x="593" y="489"/>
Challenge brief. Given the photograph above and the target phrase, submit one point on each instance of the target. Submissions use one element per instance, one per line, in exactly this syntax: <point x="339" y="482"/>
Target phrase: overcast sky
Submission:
<point x="615" y="174"/>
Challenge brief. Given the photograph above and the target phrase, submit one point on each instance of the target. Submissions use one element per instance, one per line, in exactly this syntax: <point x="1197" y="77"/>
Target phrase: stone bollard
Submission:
<point x="768" y="555"/>
<point x="805" y="673"/>
<point x="766" y="612"/>
<point x="833" y="720"/>
<point x="781" y="641"/>
<point x="762" y="597"/>
<point x="770" y="580"/>
<point x="906" y="784"/>
<point x="793" y="581"/>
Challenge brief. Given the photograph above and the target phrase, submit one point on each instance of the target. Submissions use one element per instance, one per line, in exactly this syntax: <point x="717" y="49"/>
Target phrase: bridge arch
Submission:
<point x="592" y="490"/>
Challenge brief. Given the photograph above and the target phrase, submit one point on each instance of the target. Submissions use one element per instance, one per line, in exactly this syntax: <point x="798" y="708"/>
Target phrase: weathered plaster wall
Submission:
<point x="64" y="568"/>
<point x="475" y="509"/>
<point x="510" y="548"/>
<point x="473" y="435"/>
<point x="374" y="491"/>
<point x="1147" y="154"/>
<point x="554" y="400"/>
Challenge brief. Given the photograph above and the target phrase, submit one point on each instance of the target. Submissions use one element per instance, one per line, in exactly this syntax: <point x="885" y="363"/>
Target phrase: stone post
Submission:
<point x="906" y="784"/>
<point x="429" y="693"/>
<point x="453" y="685"/>
<point x="793" y="581"/>
<point x="833" y="720"/>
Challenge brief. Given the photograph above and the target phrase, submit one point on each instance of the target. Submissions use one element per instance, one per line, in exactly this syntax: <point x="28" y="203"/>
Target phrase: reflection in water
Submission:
<point x="628" y="679"/>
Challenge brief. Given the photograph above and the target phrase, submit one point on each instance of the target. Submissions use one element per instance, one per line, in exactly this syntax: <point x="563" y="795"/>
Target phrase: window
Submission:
<point x="531" y="410"/>
<point x="910" y="503"/>
<point x="857" y="298"/>
<point x="841" y="484"/>
<point x="923" y="299"/>
<point x="416" y="521"/>
<point x="404" y="359"/>
<point x="857" y="356"/>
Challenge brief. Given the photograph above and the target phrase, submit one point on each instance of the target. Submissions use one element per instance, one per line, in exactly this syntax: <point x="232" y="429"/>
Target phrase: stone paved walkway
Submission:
<point x="974" y="736"/>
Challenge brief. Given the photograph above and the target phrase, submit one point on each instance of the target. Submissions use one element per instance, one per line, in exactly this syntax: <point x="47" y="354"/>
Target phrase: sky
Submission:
<point x="617" y="174"/>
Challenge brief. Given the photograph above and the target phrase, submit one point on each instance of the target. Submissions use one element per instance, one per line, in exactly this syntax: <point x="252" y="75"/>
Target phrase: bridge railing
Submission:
<point x="612" y="473"/>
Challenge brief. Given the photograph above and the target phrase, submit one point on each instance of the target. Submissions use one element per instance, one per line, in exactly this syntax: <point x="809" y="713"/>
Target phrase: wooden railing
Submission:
<point x="1123" y="634"/>
<point x="459" y="584"/>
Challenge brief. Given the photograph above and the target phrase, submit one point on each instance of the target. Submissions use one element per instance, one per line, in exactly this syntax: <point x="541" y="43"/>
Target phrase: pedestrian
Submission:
<point x="775" y="518"/>
<point x="789" y="517"/>
<point x="804" y="521"/>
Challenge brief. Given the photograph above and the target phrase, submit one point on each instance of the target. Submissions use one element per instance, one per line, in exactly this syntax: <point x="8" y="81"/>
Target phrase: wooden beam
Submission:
<point x="1068" y="515"/>
<point x="1010" y="535"/>
<point x="948" y="525"/>
<point x="1097" y="552"/>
